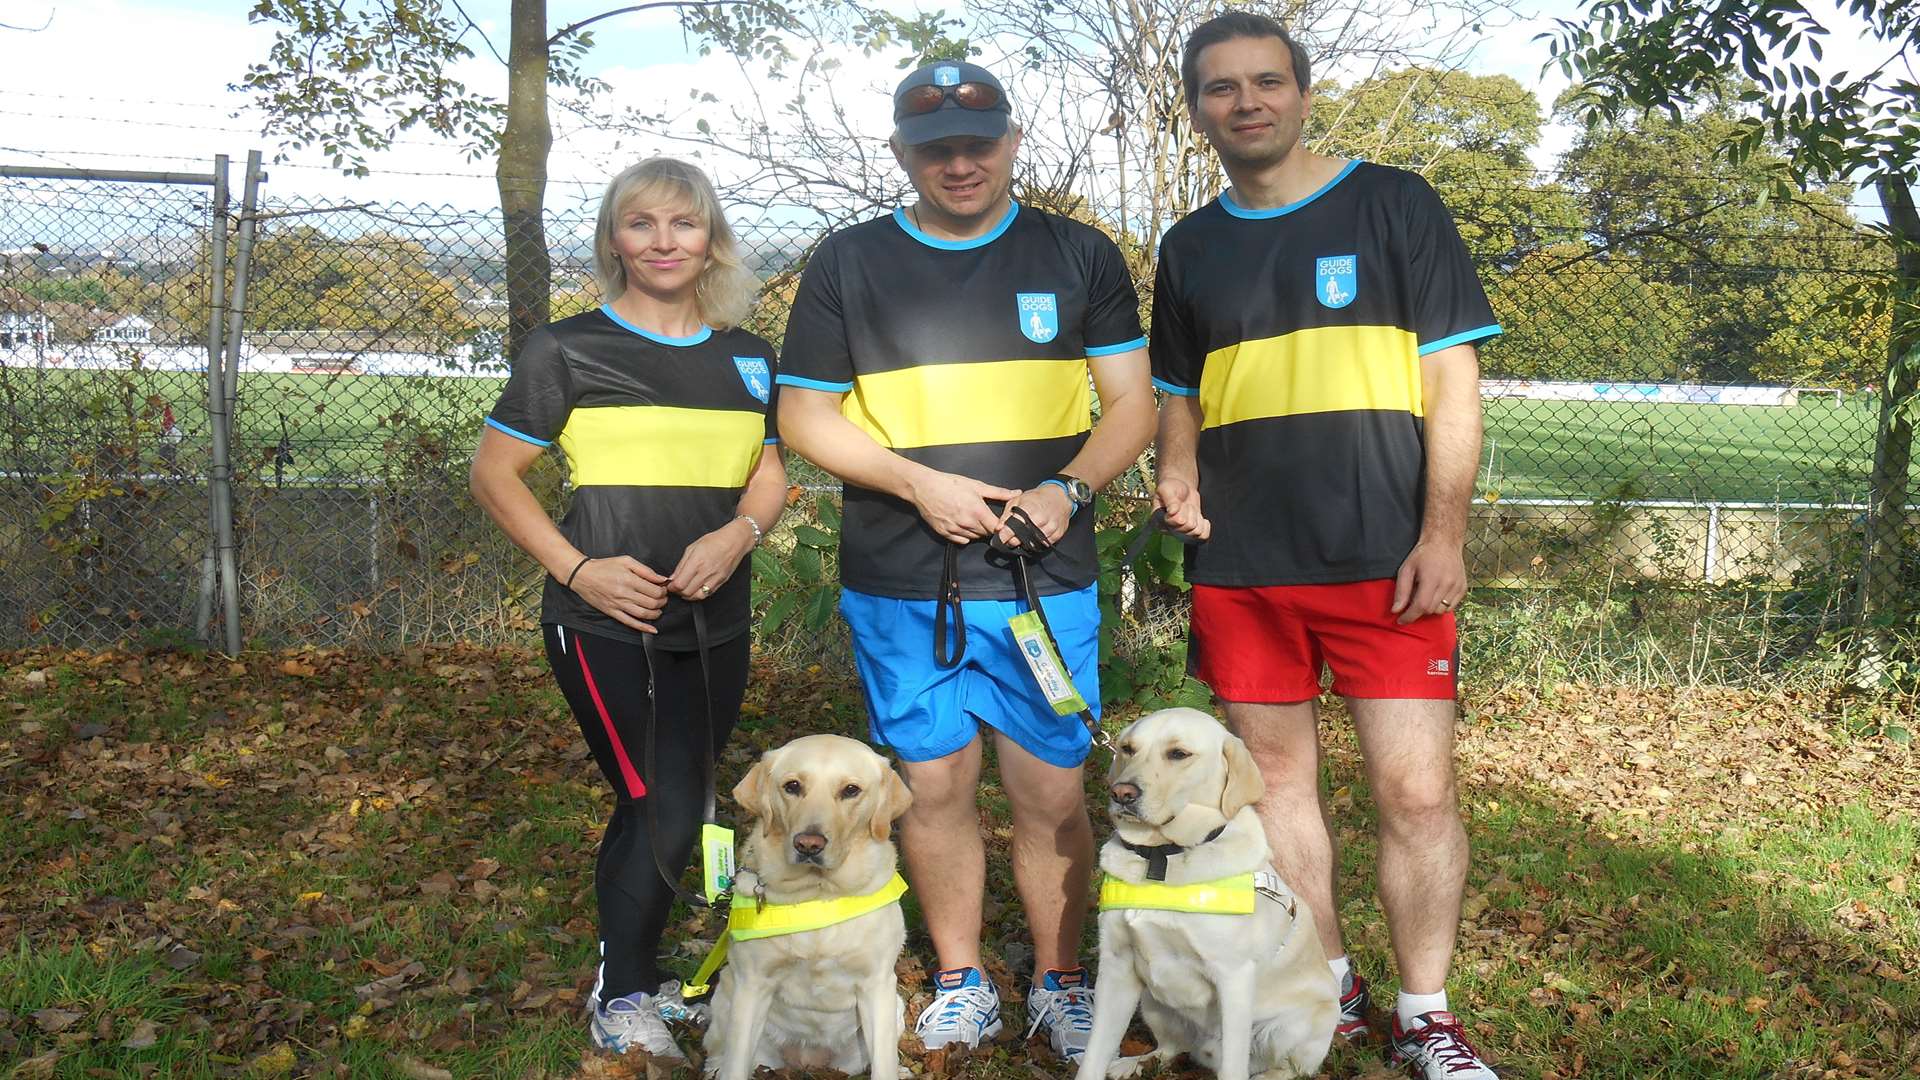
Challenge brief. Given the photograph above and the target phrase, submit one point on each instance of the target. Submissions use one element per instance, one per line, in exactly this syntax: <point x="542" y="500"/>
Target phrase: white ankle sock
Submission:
<point x="1411" y="1006"/>
<point x="1341" y="966"/>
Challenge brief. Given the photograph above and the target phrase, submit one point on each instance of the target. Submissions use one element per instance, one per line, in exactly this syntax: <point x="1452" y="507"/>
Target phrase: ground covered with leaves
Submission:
<point x="372" y="865"/>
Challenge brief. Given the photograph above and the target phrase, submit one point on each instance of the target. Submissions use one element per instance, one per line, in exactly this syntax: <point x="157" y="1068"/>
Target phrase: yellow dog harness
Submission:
<point x="747" y="921"/>
<point x="1236" y="895"/>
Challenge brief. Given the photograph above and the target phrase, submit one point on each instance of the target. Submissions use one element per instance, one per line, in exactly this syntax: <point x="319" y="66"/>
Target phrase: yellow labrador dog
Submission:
<point x="823" y="809"/>
<point x="1244" y="994"/>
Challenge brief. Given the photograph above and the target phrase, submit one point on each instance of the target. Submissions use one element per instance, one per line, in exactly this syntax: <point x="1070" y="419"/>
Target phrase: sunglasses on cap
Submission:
<point x="968" y="95"/>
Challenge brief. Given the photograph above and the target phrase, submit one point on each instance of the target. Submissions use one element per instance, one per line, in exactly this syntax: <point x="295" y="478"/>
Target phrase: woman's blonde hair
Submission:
<point x="726" y="288"/>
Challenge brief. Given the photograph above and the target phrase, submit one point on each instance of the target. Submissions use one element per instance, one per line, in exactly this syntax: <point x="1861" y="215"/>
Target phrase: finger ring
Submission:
<point x="1446" y="603"/>
<point x="704" y="590"/>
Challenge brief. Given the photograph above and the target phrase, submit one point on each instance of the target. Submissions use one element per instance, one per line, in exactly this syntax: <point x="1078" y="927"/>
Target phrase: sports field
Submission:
<point x="342" y="426"/>
<point x="1816" y="451"/>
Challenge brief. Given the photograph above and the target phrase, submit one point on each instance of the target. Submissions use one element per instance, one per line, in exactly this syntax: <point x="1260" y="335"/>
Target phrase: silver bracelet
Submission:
<point x="751" y="524"/>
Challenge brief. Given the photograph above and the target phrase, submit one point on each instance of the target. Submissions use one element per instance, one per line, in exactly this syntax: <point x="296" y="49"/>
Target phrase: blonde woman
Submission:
<point x="664" y="410"/>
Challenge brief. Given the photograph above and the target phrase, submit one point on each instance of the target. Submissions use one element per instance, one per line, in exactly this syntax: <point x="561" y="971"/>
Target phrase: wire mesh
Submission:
<point x="1676" y="448"/>
<point x="103" y="405"/>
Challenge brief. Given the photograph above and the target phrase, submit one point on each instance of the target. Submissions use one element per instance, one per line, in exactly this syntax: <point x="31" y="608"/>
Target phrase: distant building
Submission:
<point x="126" y="330"/>
<point x="23" y="321"/>
<point x="19" y="329"/>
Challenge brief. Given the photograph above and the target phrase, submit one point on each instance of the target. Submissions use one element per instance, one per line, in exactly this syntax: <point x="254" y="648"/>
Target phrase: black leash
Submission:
<point x="947" y="604"/>
<point x="1156" y="523"/>
<point x="1033" y="544"/>
<point x="706" y="749"/>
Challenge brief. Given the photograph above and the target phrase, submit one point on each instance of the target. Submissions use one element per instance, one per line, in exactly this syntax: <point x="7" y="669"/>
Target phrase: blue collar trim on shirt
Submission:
<point x="1231" y="207"/>
<point x="695" y="338"/>
<point x="900" y="218"/>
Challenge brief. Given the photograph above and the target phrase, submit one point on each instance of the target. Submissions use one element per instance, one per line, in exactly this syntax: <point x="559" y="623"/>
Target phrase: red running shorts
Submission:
<point x="1267" y="644"/>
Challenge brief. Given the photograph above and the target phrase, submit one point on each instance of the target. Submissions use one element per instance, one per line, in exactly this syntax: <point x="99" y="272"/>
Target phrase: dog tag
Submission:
<point x="1044" y="661"/>
<point x="716" y="860"/>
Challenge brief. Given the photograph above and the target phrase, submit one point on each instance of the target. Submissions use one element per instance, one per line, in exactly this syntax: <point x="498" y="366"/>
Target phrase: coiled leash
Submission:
<point x="1038" y="646"/>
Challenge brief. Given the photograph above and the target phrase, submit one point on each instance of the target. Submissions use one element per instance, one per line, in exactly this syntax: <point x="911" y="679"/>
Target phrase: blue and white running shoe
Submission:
<point x="965" y="1010"/>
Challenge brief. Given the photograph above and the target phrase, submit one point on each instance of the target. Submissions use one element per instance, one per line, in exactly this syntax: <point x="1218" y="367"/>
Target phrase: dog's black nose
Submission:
<point x="809" y="842"/>
<point x="1124" y="793"/>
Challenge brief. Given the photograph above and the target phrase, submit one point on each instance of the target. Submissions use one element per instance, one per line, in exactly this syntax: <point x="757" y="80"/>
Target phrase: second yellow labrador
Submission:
<point x="823" y="809"/>
<point x="1243" y="994"/>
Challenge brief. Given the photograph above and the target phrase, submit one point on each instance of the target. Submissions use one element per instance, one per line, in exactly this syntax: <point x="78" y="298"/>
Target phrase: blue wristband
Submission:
<point x="1072" y="507"/>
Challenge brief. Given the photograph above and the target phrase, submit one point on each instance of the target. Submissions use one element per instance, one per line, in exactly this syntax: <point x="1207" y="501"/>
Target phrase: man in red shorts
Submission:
<point x="1314" y="330"/>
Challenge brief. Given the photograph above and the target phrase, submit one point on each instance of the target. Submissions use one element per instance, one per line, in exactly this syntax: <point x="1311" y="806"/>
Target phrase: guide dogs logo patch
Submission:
<point x="1039" y="316"/>
<point x="753" y="372"/>
<point x="1336" y="280"/>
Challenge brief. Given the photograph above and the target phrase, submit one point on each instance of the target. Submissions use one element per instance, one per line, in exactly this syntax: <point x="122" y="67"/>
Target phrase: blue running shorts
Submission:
<point x="923" y="711"/>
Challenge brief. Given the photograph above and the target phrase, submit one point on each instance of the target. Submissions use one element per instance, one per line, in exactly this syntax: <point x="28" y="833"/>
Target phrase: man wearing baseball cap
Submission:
<point x="937" y="362"/>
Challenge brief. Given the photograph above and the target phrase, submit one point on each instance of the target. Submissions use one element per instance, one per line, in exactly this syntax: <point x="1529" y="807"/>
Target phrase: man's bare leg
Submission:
<point x="945" y="858"/>
<point x="1408" y="749"/>
<point x="1052" y="851"/>
<point x="1285" y="742"/>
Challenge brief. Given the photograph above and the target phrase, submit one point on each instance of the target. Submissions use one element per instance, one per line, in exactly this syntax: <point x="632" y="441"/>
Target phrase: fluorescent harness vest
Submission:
<point x="1234" y="895"/>
<point x="747" y="921"/>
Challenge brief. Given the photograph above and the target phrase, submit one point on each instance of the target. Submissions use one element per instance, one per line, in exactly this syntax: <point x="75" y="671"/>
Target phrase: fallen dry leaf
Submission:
<point x="278" y="1061"/>
<point x="414" y="1069"/>
<point x="35" y="1067"/>
<point x="56" y="1020"/>
<point x="145" y="1034"/>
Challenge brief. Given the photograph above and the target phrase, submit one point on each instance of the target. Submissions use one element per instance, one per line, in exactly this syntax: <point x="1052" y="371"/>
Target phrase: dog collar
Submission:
<point x="1236" y="895"/>
<point x="1158" y="854"/>
<point x="747" y="921"/>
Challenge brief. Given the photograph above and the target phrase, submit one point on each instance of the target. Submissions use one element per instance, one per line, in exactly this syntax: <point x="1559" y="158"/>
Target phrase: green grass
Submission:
<point x="358" y="425"/>
<point x="1815" y="451"/>
<point x="315" y="830"/>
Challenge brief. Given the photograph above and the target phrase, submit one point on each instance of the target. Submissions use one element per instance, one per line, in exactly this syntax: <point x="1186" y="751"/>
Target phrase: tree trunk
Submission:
<point x="1880" y="576"/>
<point x="522" y="174"/>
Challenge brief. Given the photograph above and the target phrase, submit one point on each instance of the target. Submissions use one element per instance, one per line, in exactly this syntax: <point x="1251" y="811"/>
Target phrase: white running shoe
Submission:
<point x="965" y="1010"/>
<point x="1062" y="1006"/>
<point x="1436" y="1048"/>
<point x="634" y="1023"/>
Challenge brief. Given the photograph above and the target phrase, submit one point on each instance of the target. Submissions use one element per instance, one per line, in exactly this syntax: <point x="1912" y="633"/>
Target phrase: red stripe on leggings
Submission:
<point x="635" y="788"/>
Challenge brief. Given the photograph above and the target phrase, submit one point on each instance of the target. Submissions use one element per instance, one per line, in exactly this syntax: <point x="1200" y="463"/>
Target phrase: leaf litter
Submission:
<point x="321" y="848"/>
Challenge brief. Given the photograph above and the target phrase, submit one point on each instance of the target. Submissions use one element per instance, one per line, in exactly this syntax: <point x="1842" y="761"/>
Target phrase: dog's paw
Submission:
<point x="1128" y="1067"/>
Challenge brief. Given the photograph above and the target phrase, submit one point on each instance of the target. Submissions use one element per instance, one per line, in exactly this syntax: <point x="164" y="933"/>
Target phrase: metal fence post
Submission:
<point x="223" y="465"/>
<point x="216" y="393"/>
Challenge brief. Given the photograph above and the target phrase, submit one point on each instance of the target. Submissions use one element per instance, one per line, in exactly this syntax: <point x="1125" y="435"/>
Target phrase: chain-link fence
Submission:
<point x="1676" y="474"/>
<point x="104" y="440"/>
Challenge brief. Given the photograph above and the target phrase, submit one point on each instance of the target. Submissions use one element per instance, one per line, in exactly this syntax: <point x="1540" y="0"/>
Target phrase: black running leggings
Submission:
<point x="605" y="682"/>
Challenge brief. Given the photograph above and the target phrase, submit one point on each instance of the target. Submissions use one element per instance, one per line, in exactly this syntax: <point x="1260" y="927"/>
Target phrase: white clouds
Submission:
<point x="120" y="85"/>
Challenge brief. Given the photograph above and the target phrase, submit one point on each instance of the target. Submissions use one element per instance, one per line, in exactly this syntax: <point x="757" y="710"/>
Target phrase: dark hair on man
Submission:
<point x="1231" y="25"/>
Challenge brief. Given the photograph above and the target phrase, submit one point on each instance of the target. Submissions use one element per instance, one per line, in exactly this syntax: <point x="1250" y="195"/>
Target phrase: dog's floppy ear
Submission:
<point x="1244" y="784"/>
<point x="892" y="801"/>
<point x="750" y="792"/>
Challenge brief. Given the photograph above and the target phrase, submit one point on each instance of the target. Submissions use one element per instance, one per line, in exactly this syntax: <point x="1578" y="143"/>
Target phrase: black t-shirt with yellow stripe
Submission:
<point x="1301" y="330"/>
<point x="970" y="357"/>
<point x="660" y="436"/>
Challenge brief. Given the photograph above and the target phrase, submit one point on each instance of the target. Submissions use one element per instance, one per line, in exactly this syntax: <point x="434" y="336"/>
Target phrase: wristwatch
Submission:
<point x="1079" y="493"/>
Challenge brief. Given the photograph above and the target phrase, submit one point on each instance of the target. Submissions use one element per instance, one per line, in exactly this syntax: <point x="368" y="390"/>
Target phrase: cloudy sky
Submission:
<point x="143" y="84"/>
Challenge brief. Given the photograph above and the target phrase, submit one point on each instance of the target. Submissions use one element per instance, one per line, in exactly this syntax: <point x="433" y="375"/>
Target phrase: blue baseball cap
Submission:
<point x="951" y="117"/>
